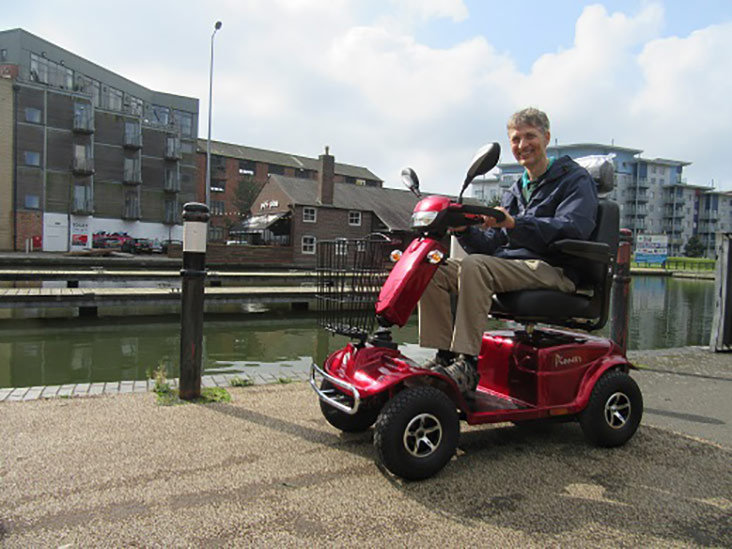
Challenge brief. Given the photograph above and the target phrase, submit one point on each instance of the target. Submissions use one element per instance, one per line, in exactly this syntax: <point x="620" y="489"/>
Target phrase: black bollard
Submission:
<point x="621" y="291"/>
<point x="193" y="275"/>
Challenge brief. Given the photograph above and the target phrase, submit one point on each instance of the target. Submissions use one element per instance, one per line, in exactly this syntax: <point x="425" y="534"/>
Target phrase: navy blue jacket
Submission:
<point x="564" y="205"/>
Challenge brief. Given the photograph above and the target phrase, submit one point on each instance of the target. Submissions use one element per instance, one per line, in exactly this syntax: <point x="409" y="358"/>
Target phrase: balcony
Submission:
<point x="82" y="206"/>
<point x="132" y="139"/>
<point x="632" y="210"/>
<point x="131" y="211"/>
<point x="172" y="181"/>
<point x="82" y="165"/>
<point x="83" y="122"/>
<point x="172" y="148"/>
<point x="132" y="176"/>
<point x="642" y="183"/>
<point x="172" y="217"/>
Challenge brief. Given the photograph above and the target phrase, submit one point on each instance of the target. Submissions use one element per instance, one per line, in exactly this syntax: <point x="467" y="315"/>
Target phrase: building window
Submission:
<point x="160" y="115"/>
<point x="247" y="167"/>
<point x="308" y="244"/>
<point x="33" y="115"/>
<point x="132" y="205"/>
<point x="309" y="215"/>
<point x="215" y="233"/>
<point x="51" y="73"/>
<point x="3" y="54"/>
<point x="218" y="185"/>
<point x="32" y="158"/>
<point x="354" y="219"/>
<point x="133" y="105"/>
<point x="111" y="98"/>
<point x="341" y="246"/>
<point x="184" y="121"/>
<point x="217" y="207"/>
<point x="32" y="201"/>
<point x="82" y="198"/>
<point x="275" y="170"/>
<point x="172" y="212"/>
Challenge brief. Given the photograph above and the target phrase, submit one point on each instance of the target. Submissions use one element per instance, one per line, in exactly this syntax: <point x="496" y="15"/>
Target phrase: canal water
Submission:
<point x="665" y="312"/>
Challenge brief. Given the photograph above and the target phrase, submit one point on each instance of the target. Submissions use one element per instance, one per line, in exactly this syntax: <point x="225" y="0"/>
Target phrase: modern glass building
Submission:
<point x="653" y="195"/>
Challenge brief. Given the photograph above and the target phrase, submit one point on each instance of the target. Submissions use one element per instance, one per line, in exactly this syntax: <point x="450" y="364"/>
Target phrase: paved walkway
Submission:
<point x="11" y="394"/>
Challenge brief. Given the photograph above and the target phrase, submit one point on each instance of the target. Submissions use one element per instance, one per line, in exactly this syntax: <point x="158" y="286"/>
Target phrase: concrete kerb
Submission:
<point x="87" y="389"/>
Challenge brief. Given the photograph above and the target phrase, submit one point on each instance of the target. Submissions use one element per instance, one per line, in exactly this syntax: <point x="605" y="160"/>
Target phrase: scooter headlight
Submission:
<point x="395" y="255"/>
<point x="422" y="219"/>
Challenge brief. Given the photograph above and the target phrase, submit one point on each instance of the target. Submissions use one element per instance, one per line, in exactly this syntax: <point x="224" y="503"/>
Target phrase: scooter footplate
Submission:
<point x="490" y="401"/>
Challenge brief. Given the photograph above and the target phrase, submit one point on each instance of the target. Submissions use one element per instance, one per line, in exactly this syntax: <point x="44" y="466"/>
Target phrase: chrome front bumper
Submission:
<point x="332" y="396"/>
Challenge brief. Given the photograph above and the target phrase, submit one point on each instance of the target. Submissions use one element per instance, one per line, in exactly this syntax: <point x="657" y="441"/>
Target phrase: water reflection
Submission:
<point x="665" y="313"/>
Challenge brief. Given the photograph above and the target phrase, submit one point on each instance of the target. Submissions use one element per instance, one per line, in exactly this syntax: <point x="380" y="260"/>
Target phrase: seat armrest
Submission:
<point x="593" y="251"/>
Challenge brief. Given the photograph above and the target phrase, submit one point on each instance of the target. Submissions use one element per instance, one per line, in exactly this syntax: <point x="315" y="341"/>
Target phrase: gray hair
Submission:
<point x="529" y="117"/>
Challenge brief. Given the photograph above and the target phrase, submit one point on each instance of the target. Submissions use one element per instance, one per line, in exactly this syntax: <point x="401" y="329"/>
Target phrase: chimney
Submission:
<point x="326" y="173"/>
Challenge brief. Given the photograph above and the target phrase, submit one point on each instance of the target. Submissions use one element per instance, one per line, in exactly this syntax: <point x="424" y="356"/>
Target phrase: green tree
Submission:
<point x="694" y="247"/>
<point x="246" y="192"/>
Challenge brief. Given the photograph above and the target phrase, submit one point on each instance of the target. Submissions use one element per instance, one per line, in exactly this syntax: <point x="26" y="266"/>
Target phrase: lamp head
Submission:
<point x="217" y="26"/>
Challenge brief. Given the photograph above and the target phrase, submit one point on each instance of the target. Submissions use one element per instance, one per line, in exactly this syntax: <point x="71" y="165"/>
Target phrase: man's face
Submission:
<point x="528" y="145"/>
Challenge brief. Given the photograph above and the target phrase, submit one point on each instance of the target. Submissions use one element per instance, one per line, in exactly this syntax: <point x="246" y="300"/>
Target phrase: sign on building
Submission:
<point x="651" y="248"/>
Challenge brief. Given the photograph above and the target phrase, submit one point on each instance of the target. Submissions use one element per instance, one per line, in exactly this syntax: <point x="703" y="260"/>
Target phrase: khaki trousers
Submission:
<point x="474" y="279"/>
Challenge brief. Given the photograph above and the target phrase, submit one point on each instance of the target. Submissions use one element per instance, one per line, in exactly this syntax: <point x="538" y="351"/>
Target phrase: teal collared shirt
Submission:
<point x="528" y="187"/>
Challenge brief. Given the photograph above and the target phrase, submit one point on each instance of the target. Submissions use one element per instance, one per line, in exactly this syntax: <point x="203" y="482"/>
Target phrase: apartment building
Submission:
<point x="86" y="151"/>
<point x="653" y="195"/>
<point x="236" y="167"/>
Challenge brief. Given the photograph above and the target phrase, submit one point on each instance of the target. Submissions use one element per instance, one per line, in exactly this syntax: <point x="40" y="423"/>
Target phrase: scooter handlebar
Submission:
<point x="474" y="209"/>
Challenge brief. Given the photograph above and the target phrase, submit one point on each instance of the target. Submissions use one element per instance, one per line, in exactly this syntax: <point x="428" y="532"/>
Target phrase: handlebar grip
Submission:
<point x="498" y="215"/>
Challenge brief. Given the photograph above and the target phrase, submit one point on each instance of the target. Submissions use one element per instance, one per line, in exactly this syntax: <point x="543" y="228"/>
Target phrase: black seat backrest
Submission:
<point x="607" y="229"/>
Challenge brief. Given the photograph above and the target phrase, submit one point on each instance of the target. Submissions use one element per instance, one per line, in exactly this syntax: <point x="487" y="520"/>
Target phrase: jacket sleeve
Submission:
<point x="574" y="217"/>
<point x="476" y="240"/>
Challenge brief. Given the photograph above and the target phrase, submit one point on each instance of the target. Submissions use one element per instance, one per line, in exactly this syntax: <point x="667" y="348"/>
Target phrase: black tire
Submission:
<point x="614" y="411"/>
<point x="417" y="433"/>
<point x="349" y="423"/>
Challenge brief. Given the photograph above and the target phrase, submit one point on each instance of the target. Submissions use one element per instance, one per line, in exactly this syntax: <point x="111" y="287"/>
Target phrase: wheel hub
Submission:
<point x="617" y="410"/>
<point x="422" y="435"/>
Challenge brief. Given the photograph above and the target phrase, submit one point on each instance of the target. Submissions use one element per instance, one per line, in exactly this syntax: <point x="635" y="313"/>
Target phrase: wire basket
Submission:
<point x="350" y="275"/>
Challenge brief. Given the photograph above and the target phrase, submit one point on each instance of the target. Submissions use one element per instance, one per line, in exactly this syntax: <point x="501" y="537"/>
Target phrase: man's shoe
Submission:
<point x="442" y="359"/>
<point x="464" y="372"/>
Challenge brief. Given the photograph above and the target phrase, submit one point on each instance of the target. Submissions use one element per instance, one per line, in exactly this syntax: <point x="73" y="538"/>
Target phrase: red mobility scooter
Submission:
<point x="526" y="374"/>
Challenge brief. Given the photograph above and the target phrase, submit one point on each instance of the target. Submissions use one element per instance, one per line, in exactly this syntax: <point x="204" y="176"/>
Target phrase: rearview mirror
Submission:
<point x="484" y="161"/>
<point x="411" y="181"/>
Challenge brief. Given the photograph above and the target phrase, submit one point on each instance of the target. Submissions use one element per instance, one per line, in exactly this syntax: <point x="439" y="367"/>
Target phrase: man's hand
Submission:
<point x="490" y="222"/>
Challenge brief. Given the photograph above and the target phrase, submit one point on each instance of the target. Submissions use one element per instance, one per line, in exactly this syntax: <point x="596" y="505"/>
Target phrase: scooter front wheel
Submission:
<point x="417" y="433"/>
<point x="349" y="423"/>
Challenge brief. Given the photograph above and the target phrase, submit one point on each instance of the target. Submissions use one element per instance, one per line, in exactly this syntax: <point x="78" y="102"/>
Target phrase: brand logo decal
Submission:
<point x="560" y="360"/>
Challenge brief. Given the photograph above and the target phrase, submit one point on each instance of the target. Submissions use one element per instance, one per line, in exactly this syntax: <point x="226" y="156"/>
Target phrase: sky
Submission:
<point x="423" y="83"/>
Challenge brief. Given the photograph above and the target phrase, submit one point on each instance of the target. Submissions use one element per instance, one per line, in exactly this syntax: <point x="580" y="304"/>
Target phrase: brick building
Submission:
<point x="291" y="214"/>
<point x="84" y="151"/>
<point x="234" y="166"/>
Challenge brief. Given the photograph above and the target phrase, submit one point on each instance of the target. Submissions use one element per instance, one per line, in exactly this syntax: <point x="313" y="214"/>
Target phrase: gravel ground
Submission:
<point x="266" y="470"/>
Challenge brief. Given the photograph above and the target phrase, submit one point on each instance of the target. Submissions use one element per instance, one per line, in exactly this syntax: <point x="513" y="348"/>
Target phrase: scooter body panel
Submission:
<point x="520" y="380"/>
<point x="373" y="370"/>
<point x="407" y="281"/>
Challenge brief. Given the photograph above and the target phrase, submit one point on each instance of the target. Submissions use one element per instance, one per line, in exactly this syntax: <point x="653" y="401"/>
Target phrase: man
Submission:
<point x="554" y="199"/>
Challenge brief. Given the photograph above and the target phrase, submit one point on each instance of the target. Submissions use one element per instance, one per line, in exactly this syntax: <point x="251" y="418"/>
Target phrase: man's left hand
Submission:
<point x="491" y="222"/>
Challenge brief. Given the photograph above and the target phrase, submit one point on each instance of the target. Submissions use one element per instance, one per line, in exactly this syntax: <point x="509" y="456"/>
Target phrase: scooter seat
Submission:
<point x="547" y="306"/>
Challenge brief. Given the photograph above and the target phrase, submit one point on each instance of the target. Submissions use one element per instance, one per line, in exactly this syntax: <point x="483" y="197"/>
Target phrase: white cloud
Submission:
<point x="429" y="9"/>
<point x="295" y="75"/>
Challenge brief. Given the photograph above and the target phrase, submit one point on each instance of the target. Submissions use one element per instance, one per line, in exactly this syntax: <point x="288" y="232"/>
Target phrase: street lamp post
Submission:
<point x="217" y="26"/>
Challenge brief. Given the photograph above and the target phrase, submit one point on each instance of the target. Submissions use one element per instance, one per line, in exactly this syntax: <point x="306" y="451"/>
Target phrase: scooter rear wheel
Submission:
<point x="349" y="423"/>
<point x="417" y="433"/>
<point x="614" y="411"/>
